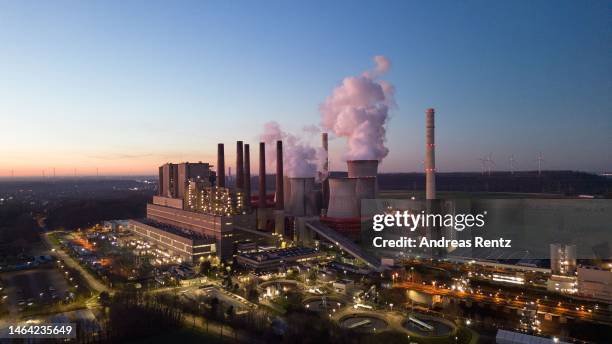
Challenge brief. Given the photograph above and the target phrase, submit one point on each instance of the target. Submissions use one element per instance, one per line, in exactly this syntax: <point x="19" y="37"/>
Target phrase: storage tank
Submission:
<point x="343" y="202"/>
<point x="362" y="168"/>
<point x="302" y="202"/>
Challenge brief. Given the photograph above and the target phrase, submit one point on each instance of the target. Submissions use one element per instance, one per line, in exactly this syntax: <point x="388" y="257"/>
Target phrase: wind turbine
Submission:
<point x="540" y="159"/>
<point x="489" y="159"/>
<point x="483" y="161"/>
<point x="512" y="162"/>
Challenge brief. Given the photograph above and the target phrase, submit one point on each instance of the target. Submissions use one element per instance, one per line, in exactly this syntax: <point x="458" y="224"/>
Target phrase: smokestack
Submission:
<point x="247" y="174"/>
<point x="430" y="156"/>
<point x="239" y="166"/>
<point x="262" y="174"/>
<point x="220" y="165"/>
<point x="325" y="144"/>
<point x="325" y="172"/>
<point x="280" y="199"/>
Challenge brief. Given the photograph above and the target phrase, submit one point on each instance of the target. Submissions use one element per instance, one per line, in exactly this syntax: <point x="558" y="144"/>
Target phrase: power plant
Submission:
<point x="302" y="210"/>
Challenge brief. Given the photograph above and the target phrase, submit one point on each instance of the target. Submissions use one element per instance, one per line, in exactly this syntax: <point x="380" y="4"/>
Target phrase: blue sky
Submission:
<point x="127" y="85"/>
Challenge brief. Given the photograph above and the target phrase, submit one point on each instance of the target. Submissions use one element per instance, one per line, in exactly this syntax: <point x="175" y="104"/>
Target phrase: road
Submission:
<point x="514" y="301"/>
<point x="92" y="281"/>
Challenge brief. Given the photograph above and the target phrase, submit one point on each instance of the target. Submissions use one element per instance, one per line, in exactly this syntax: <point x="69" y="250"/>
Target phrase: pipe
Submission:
<point x="262" y="174"/>
<point x="220" y="165"/>
<point x="239" y="166"/>
<point x="280" y="194"/>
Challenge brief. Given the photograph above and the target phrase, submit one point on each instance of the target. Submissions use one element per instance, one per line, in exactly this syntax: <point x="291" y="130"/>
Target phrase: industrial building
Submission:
<point x="272" y="259"/>
<point x="188" y="245"/>
<point x="595" y="282"/>
<point x="302" y="211"/>
<point x="191" y="216"/>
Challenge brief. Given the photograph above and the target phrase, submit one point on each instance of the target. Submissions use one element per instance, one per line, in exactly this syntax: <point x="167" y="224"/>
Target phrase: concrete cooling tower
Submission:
<point x="365" y="188"/>
<point x="343" y="201"/>
<point x="286" y="191"/>
<point x="362" y="168"/>
<point x="302" y="200"/>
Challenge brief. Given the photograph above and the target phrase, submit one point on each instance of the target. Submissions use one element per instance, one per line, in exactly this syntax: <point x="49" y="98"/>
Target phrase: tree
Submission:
<point x="205" y="267"/>
<point x="214" y="306"/>
<point x="104" y="298"/>
<point x="252" y="294"/>
<point x="229" y="313"/>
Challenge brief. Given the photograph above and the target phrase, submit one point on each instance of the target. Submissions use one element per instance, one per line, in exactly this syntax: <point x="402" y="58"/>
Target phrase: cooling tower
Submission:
<point x="262" y="174"/>
<point x="302" y="201"/>
<point x="286" y="191"/>
<point x="343" y="201"/>
<point x="365" y="188"/>
<point x="247" y="174"/>
<point x="430" y="155"/>
<point x="220" y="165"/>
<point x="239" y="166"/>
<point x="362" y="168"/>
<point x="280" y="200"/>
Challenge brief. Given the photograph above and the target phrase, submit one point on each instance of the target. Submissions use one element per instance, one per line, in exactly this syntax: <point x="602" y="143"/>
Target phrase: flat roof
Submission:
<point x="279" y="253"/>
<point x="182" y="232"/>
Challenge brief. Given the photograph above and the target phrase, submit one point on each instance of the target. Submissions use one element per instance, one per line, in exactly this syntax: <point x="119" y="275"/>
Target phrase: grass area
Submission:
<point x="53" y="309"/>
<point x="3" y="309"/>
<point x="464" y="336"/>
<point x="185" y="335"/>
<point x="54" y="239"/>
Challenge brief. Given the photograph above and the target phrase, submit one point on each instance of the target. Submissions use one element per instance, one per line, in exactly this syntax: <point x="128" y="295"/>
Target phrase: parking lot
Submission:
<point x="35" y="287"/>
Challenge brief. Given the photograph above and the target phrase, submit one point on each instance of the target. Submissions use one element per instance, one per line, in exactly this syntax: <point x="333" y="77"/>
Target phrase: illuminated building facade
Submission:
<point x="187" y="245"/>
<point x="221" y="201"/>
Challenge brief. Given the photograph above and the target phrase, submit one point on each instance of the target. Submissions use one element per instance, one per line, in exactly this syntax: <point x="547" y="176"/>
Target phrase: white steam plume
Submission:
<point x="358" y="109"/>
<point x="299" y="158"/>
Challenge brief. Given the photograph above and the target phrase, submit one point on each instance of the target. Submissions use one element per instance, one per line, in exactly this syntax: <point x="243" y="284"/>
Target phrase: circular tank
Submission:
<point x="364" y="323"/>
<point x="434" y="327"/>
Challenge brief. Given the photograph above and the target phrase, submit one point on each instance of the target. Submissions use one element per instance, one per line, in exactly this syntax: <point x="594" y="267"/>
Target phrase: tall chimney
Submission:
<point x="325" y="172"/>
<point x="220" y="165"/>
<point x="325" y="143"/>
<point x="430" y="156"/>
<point x="247" y="174"/>
<point x="239" y="166"/>
<point x="262" y="174"/>
<point x="280" y="194"/>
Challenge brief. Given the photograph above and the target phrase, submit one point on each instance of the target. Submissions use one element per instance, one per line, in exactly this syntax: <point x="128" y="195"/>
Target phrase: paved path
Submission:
<point x="92" y="281"/>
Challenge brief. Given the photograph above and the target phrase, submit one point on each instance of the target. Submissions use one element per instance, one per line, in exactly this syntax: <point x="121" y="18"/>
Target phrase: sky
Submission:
<point x="125" y="86"/>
